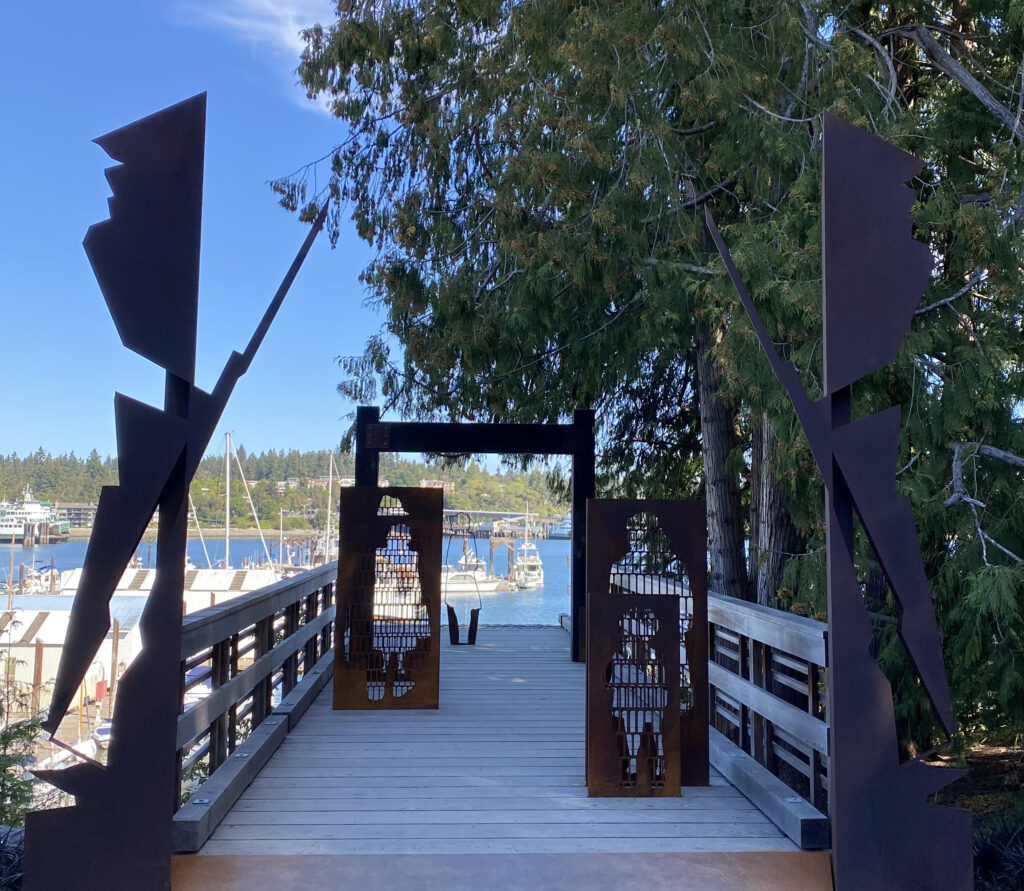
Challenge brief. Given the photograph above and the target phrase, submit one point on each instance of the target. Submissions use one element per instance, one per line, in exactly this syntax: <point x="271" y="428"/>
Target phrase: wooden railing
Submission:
<point x="249" y="668"/>
<point x="766" y="678"/>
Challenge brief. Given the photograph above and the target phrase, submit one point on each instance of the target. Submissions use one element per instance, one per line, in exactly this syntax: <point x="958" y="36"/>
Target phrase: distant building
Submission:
<point x="284" y="485"/>
<point x="444" y="485"/>
<point x="77" y="513"/>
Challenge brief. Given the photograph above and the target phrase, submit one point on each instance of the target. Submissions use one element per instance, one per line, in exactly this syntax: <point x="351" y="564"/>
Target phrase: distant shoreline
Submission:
<point x="217" y="534"/>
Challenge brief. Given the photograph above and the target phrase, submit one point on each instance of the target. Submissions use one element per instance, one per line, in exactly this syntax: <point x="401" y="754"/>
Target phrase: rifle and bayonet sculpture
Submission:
<point x="884" y="832"/>
<point x="146" y="260"/>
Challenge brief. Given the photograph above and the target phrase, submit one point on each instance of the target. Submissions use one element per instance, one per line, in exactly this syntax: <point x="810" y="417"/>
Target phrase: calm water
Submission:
<point x="540" y="606"/>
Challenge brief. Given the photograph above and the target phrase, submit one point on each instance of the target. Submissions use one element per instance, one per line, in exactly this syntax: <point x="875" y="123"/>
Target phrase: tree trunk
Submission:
<point x="773" y="537"/>
<point x="721" y="488"/>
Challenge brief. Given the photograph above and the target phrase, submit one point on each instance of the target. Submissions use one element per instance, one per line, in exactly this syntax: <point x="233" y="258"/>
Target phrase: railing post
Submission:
<point x="233" y="711"/>
<point x="290" y="668"/>
<point x="746" y="659"/>
<point x="818" y="793"/>
<point x="261" y="692"/>
<point x="310" y="655"/>
<point x="220" y="666"/>
<point x="326" y="598"/>
<point x="760" y="674"/>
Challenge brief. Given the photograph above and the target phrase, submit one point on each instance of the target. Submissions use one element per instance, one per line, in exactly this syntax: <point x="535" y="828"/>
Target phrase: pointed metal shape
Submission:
<point x="874" y="271"/>
<point x="884" y="831"/>
<point x="150" y="441"/>
<point x="146" y="256"/>
<point x="864" y="451"/>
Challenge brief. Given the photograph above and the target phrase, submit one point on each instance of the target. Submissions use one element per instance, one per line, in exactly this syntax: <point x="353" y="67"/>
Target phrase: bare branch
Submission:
<point x="686" y="267"/>
<point x="989" y="452"/>
<point x="976" y="277"/>
<point x="886" y="60"/>
<point x="776" y="115"/>
<point x="949" y="66"/>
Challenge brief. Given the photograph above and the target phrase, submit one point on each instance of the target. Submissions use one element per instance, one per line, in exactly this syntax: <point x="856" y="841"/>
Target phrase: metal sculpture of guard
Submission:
<point x="646" y="621"/>
<point x="146" y="260"/>
<point x="388" y="630"/>
<point x="885" y="834"/>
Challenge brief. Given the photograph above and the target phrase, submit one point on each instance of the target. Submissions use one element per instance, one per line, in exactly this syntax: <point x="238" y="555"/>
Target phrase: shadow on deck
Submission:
<point x="488" y="789"/>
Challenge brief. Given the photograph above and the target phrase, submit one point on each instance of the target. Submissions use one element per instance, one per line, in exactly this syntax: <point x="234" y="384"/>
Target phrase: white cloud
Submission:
<point x="274" y="24"/>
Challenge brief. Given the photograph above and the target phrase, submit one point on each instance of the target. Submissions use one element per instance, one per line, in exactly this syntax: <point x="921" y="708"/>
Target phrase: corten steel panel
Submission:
<point x="885" y="834"/>
<point x="684" y="523"/>
<point x="146" y="259"/>
<point x="632" y="694"/>
<point x="388" y="639"/>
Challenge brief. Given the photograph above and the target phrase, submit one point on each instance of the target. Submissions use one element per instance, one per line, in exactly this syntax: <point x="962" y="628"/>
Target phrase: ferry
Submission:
<point x="38" y="518"/>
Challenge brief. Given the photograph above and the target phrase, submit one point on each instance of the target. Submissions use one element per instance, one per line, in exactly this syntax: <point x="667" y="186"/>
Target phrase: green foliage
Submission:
<point x="532" y="175"/>
<point x="17" y="741"/>
<point x="304" y="505"/>
<point x="64" y="477"/>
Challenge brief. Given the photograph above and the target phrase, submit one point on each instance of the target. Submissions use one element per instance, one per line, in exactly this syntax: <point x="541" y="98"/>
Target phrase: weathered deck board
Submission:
<point x="498" y="769"/>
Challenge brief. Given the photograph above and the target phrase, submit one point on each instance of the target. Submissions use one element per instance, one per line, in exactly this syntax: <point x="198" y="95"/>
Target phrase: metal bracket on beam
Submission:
<point x="378" y="436"/>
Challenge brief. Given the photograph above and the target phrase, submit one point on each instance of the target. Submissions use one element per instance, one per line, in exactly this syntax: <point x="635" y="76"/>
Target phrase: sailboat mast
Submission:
<point x="330" y="485"/>
<point x="227" y="500"/>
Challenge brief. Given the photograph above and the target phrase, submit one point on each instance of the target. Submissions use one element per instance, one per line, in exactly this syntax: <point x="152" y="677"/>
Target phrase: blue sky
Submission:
<point x="78" y="71"/>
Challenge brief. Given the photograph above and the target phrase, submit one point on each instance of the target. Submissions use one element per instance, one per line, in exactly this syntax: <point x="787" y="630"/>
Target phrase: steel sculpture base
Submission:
<point x="388" y="632"/>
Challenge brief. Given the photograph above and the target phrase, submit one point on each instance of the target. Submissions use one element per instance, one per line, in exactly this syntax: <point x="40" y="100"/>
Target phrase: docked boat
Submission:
<point x="455" y="581"/>
<point x="529" y="571"/>
<point x="562" y="529"/>
<point x="36" y="521"/>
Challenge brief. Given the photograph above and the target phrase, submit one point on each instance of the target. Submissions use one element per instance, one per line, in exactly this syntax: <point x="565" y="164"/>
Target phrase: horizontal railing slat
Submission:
<point x="793" y="634"/>
<point x="200" y="715"/>
<point x="216" y="623"/>
<point x="803" y="726"/>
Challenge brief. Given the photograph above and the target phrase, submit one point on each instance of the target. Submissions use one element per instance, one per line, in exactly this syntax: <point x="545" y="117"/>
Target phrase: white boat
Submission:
<point x="455" y="581"/>
<point x="529" y="571"/>
<point x="562" y="529"/>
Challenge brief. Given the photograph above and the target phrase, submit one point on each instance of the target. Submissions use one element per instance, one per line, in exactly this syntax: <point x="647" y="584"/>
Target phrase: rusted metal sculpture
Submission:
<point x="146" y="260"/>
<point x="388" y="628"/>
<point x="641" y="550"/>
<point x="884" y="832"/>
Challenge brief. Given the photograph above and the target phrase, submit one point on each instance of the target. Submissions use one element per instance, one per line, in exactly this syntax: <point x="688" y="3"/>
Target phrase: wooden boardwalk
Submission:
<point x="497" y="770"/>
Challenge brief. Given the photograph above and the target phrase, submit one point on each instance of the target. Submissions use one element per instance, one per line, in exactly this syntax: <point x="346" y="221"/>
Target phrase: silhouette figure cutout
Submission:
<point x="636" y="677"/>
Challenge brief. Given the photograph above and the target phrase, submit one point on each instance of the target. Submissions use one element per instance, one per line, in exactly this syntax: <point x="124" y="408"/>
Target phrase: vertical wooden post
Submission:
<point x="583" y="486"/>
<point x="290" y="668"/>
<point x="220" y="659"/>
<point x="10" y="577"/>
<point x="367" y="460"/>
<point x="233" y="711"/>
<point x="37" y="676"/>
